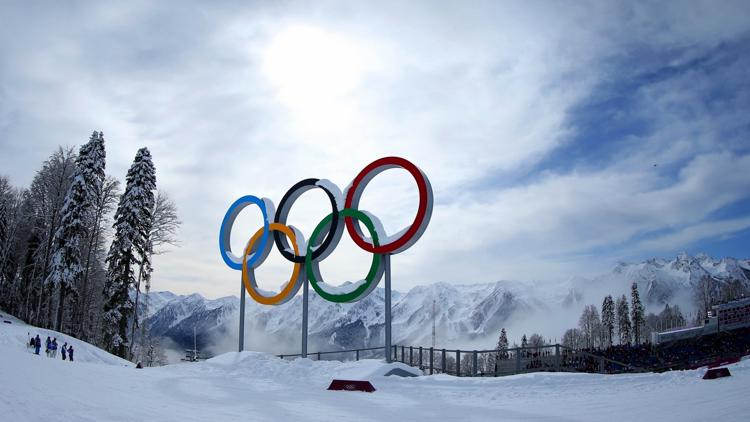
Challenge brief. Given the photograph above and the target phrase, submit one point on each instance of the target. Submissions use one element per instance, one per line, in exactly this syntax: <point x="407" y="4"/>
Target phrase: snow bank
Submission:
<point x="257" y="364"/>
<point x="16" y="335"/>
<point x="255" y="386"/>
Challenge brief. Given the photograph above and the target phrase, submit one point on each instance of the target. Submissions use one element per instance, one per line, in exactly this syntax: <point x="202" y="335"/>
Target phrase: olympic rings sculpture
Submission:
<point x="325" y="237"/>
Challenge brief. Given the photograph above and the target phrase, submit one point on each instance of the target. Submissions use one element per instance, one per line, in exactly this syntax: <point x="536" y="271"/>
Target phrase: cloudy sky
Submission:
<point x="559" y="137"/>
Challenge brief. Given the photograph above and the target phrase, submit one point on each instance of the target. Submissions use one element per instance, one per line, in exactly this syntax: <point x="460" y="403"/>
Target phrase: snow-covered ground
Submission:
<point x="252" y="386"/>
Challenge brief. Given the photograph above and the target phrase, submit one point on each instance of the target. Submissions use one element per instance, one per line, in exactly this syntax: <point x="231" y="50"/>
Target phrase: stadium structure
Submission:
<point x="723" y="317"/>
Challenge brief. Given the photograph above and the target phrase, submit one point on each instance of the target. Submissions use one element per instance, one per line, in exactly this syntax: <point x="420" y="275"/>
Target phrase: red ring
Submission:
<point x="424" y="203"/>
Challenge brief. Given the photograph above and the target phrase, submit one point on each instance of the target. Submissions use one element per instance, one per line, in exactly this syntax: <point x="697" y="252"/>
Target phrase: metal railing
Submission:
<point x="493" y="363"/>
<point x="341" y="355"/>
<point x="485" y="363"/>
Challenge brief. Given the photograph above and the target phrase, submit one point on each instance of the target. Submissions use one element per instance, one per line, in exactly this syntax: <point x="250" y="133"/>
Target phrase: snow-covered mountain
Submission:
<point x="461" y="311"/>
<point x="177" y="317"/>
<point x="662" y="281"/>
<point x="465" y="315"/>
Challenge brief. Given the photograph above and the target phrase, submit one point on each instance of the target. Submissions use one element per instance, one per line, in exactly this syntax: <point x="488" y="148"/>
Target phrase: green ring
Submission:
<point x="369" y="279"/>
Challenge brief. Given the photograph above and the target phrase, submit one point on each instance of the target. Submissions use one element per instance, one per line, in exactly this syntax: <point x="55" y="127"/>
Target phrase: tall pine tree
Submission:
<point x="608" y="319"/>
<point x="130" y="249"/>
<point x="623" y="320"/>
<point x="65" y="265"/>
<point x="502" y="345"/>
<point x="637" y="316"/>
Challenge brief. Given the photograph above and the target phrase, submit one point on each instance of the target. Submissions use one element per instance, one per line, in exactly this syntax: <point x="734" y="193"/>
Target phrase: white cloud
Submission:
<point x="694" y="233"/>
<point x="470" y="94"/>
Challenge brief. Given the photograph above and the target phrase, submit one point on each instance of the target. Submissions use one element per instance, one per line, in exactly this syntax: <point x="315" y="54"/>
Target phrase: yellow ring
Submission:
<point x="282" y="295"/>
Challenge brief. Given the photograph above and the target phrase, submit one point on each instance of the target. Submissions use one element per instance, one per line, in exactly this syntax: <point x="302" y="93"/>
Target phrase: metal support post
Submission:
<point x="357" y="354"/>
<point x="518" y="361"/>
<point x="387" y="265"/>
<point x="432" y="360"/>
<point x="557" y="357"/>
<point x="403" y="355"/>
<point x="411" y="355"/>
<point x="305" y="297"/>
<point x="420" y="357"/>
<point x="242" y="316"/>
<point x="458" y="362"/>
<point x="474" y="364"/>
<point x="442" y="363"/>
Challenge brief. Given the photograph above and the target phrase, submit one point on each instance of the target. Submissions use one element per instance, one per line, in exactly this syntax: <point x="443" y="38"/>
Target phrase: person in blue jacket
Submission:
<point x="37" y="344"/>
<point x="53" y="347"/>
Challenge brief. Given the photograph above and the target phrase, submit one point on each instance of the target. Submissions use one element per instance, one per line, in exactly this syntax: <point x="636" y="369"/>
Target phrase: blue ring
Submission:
<point x="226" y="228"/>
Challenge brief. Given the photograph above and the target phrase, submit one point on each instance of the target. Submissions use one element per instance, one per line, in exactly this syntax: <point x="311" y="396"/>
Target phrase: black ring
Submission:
<point x="283" y="212"/>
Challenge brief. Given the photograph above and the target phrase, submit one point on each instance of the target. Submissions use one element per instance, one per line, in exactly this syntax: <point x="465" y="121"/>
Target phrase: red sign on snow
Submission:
<point x="350" y="385"/>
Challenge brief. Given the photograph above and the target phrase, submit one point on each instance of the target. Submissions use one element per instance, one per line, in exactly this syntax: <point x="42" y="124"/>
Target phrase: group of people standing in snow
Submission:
<point x="51" y="348"/>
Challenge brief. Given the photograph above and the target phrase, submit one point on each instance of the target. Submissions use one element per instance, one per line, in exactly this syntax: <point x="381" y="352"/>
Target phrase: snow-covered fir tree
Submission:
<point x="130" y="249"/>
<point x="524" y="344"/>
<point x="623" y="320"/>
<point x="637" y="314"/>
<point x="608" y="319"/>
<point x="65" y="264"/>
<point x="502" y="345"/>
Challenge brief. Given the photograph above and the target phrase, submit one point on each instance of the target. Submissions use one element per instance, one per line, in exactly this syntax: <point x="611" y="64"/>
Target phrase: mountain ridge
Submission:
<point x="466" y="314"/>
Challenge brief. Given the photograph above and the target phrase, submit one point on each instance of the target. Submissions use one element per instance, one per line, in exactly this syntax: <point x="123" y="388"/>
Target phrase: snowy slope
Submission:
<point x="15" y="336"/>
<point x="257" y="387"/>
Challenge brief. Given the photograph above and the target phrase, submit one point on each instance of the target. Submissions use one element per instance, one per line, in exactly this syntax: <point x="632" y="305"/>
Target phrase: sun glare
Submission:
<point x="313" y="70"/>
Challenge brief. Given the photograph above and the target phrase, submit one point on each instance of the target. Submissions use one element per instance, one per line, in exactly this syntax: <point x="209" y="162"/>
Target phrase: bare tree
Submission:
<point x="166" y="223"/>
<point x="536" y="341"/>
<point x="573" y="339"/>
<point x="106" y="200"/>
<point x="46" y="197"/>
<point x="11" y="221"/>
<point x="163" y="233"/>
<point x="590" y="325"/>
<point x="706" y="294"/>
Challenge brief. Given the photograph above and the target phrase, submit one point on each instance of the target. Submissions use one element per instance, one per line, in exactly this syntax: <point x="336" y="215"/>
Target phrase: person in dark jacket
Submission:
<point x="53" y="347"/>
<point x="70" y="353"/>
<point x="48" y="346"/>
<point x="64" y="350"/>
<point x="37" y="344"/>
